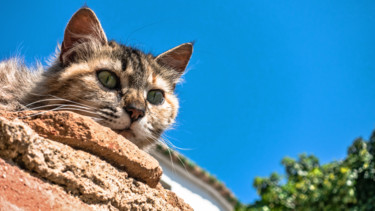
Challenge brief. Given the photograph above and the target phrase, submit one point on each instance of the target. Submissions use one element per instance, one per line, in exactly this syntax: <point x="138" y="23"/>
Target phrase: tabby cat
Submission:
<point x="118" y="86"/>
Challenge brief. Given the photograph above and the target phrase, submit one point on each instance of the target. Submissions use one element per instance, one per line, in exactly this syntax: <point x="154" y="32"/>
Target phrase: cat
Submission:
<point x="119" y="87"/>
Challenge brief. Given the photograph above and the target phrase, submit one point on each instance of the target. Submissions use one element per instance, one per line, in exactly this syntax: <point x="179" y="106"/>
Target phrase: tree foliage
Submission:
<point x="339" y="185"/>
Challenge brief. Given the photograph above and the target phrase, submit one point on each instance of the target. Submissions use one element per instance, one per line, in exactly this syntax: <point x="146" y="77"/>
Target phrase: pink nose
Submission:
<point x="135" y="113"/>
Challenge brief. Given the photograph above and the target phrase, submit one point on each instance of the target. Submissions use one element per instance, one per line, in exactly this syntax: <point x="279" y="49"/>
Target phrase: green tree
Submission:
<point x="307" y="185"/>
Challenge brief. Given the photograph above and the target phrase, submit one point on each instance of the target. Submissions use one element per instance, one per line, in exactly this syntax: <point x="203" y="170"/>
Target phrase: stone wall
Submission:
<point x="64" y="161"/>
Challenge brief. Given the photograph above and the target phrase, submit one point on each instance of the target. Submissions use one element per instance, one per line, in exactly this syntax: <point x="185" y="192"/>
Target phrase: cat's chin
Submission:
<point x="127" y="133"/>
<point x="132" y="137"/>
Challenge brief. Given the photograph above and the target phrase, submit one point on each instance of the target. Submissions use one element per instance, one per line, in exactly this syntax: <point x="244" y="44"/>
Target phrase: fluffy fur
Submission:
<point x="71" y="83"/>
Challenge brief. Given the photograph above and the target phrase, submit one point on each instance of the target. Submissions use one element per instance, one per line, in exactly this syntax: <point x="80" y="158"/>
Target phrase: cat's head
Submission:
<point x="118" y="86"/>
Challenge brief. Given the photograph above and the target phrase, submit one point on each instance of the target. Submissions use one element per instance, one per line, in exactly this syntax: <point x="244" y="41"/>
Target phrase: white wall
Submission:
<point x="191" y="195"/>
<point x="199" y="195"/>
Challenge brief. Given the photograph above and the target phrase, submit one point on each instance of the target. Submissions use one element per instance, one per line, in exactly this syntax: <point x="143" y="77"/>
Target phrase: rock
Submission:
<point x="83" y="133"/>
<point x="21" y="191"/>
<point x="88" y="161"/>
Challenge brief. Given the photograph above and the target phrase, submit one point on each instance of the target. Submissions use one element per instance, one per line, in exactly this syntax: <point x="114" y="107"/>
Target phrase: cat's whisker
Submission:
<point x="162" y="142"/>
<point x="38" y="101"/>
<point x="65" y="108"/>
<point x="39" y="113"/>
<point x="169" y="149"/>
<point x="170" y="157"/>
<point x="167" y="143"/>
<point x="71" y="101"/>
<point x="97" y="119"/>
<point x="43" y="100"/>
<point x="57" y="99"/>
<point x="151" y="140"/>
<point x="170" y="143"/>
<point x="53" y="105"/>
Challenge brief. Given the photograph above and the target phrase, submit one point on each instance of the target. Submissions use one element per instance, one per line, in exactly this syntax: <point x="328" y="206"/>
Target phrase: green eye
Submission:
<point x="155" y="97"/>
<point x="108" y="79"/>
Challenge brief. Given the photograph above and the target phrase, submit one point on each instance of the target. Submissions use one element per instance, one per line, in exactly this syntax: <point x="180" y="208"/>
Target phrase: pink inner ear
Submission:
<point x="82" y="25"/>
<point x="177" y="58"/>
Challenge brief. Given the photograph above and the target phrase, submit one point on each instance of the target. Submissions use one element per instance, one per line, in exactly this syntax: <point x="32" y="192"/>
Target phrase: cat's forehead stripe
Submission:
<point x="138" y="67"/>
<point x="138" y="76"/>
<point x="124" y="58"/>
<point x="124" y="63"/>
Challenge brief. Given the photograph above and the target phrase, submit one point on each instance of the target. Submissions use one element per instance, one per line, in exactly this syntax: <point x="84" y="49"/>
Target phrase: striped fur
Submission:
<point x="71" y="83"/>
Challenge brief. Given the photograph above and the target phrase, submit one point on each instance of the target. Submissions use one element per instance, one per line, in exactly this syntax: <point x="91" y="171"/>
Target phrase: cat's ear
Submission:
<point x="82" y="27"/>
<point x="176" y="58"/>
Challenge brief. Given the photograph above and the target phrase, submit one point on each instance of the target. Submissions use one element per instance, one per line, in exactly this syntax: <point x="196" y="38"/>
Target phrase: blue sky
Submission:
<point x="267" y="79"/>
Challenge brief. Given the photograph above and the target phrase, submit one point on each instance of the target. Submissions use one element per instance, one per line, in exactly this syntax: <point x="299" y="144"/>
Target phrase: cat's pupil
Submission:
<point x="155" y="97"/>
<point x="108" y="79"/>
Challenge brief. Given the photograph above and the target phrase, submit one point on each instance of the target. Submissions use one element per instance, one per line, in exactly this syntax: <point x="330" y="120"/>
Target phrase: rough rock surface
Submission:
<point x="83" y="133"/>
<point x="100" y="178"/>
<point x="21" y="191"/>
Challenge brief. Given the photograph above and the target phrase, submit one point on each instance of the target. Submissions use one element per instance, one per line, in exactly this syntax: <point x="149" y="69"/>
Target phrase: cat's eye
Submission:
<point x="108" y="79"/>
<point x="155" y="96"/>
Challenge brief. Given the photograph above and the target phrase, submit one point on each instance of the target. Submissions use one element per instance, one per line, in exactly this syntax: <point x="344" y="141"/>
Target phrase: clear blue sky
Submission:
<point x="267" y="79"/>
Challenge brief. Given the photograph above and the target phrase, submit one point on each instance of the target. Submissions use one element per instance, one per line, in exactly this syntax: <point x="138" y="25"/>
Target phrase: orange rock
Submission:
<point x="84" y="159"/>
<point x="21" y="191"/>
<point x="83" y="133"/>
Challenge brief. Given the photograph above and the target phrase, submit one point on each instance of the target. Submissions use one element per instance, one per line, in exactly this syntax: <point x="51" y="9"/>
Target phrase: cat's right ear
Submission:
<point x="82" y="27"/>
<point x="176" y="58"/>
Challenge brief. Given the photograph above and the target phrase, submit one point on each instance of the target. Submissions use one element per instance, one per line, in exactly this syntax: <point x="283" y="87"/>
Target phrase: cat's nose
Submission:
<point x="134" y="112"/>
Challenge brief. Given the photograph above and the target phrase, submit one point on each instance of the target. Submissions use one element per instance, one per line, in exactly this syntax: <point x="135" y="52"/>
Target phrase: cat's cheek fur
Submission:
<point x="172" y="101"/>
<point x="74" y="71"/>
<point x="165" y="114"/>
<point x="141" y="129"/>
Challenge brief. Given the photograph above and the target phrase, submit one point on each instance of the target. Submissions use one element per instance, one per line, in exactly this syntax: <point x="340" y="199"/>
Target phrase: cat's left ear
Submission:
<point x="82" y="27"/>
<point x="176" y="58"/>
